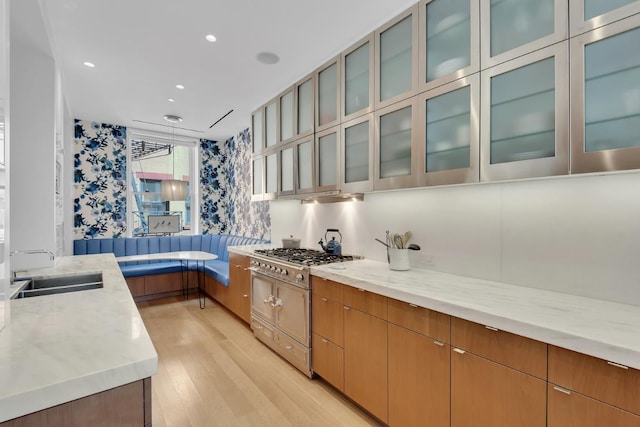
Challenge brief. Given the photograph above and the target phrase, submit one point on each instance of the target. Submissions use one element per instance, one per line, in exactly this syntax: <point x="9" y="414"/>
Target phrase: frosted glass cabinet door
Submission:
<point x="257" y="179"/>
<point x="605" y="119"/>
<point x="512" y="28"/>
<point x="286" y="116"/>
<point x="356" y="155"/>
<point x="271" y="175"/>
<point x="271" y="124"/>
<point x="586" y="15"/>
<point x="327" y="97"/>
<point x="257" y="135"/>
<point x="357" y="82"/>
<point x="304" y="107"/>
<point x="327" y="159"/>
<point x="395" y="150"/>
<point x="286" y="186"/>
<point x="449" y="40"/>
<point x="396" y="58"/>
<point x="525" y="104"/>
<point x="304" y="166"/>
<point x="450" y="139"/>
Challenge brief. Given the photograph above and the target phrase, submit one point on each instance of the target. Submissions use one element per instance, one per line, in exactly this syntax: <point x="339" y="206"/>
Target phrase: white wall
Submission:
<point x="32" y="155"/>
<point x="577" y="235"/>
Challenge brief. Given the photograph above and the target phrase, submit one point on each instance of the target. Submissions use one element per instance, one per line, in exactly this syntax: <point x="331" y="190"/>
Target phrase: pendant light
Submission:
<point x="173" y="189"/>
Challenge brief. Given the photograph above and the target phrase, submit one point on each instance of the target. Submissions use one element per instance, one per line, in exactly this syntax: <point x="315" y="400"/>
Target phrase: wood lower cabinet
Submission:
<point x="158" y="285"/>
<point x="239" y="298"/>
<point x="570" y="409"/>
<point x="419" y="379"/>
<point x="487" y="394"/>
<point x="365" y="361"/>
<point x="127" y="405"/>
<point x="328" y="360"/>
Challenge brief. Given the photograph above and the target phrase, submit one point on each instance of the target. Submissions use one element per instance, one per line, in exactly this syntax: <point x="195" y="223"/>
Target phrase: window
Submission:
<point x="152" y="160"/>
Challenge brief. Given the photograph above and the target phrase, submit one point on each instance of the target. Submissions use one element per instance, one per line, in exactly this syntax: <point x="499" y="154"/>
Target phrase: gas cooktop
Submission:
<point x="307" y="257"/>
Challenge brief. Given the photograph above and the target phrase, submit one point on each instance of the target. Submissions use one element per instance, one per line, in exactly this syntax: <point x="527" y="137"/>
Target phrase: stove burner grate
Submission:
<point x="306" y="257"/>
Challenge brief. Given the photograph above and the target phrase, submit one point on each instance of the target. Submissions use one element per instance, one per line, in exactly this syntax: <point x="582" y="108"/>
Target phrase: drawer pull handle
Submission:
<point x="324" y="340"/>
<point x="491" y="328"/>
<point x="259" y="327"/>
<point x="289" y="347"/>
<point x="346" y="308"/>
<point x="413" y="305"/>
<point x="361" y="290"/>
<point x="325" y="299"/>
<point x="617" y="365"/>
<point x="439" y="343"/>
<point x="245" y="296"/>
<point x="562" y="390"/>
<point x="459" y="351"/>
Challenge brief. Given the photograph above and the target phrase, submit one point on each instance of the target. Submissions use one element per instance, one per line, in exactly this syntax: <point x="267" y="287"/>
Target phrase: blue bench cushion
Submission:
<point x="213" y="243"/>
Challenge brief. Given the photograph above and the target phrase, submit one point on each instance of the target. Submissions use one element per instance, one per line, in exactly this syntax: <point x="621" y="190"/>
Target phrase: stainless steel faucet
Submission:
<point x="28" y="252"/>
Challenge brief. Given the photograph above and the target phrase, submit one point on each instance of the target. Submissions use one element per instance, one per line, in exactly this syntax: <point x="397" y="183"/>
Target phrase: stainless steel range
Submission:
<point x="281" y="300"/>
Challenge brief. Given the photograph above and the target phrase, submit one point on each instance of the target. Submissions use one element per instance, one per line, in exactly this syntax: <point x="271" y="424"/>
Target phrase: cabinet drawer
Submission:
<point x="365" y="301"/>
<point x="327" y="288"/>
<point x="573" y="409"/>
<point x="618" y="386"/>
<point x="328" y="361"/>
<point x="263" y="331"/>
<point x="136" y="286"/>
<point x="512" y="350"/>
<point x="291" y="350"/>
<point x="421" y="320"/>
<point x="327" y="319"/>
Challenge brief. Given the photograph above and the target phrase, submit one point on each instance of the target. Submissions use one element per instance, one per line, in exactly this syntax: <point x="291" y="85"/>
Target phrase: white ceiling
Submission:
<point x="143" y="48"/>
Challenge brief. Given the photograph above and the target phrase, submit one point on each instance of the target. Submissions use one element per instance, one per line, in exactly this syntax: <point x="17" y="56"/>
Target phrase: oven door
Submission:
<point x="292" y="311"/>
<point x="263" y="296"/>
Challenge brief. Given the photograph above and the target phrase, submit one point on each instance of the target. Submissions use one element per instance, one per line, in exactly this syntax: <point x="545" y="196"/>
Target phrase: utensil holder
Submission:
<point x="399" y="259"/>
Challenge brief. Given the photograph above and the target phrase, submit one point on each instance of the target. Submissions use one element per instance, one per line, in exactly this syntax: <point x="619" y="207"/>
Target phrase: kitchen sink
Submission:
<point x="60" y="284"/>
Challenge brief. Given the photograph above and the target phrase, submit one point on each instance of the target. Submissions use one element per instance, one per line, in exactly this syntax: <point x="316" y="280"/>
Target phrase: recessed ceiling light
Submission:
<point x="172" y="118"/>
<point x="171" y="100"/>
<point x="180" y="87"/>
<point x="89" y="64"/>
<point x="210" y="38"/>
<point x="268" y="58"/>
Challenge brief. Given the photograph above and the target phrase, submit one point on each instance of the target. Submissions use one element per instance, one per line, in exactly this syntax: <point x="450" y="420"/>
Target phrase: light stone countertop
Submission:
<point x="603" y="329"/>
<point x="247" y="250"/>
<point x="58" y="348"/>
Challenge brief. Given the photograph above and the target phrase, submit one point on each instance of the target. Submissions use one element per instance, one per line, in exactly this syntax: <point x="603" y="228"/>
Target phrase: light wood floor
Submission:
<point x="213" y="372"/>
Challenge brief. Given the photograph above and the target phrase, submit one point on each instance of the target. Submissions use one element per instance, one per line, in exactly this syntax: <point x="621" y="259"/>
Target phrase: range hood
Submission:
<point x="332" y="197"/>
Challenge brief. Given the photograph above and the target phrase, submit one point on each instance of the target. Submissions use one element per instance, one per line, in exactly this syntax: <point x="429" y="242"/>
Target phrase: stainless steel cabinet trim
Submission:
<point x="327" y="188"/>
<point x="360" y="186"/>
<point x="560" y="33"/>
<point x="454" y="176"/>
<point x="578" y="25"/>
<point x="296" y="93"/>
<point x="335" y="122"/>
<point x="557" y="165"/>
<point x="413" y="11"/>
<point x="595" y="161"/>
<point x="343" y="81"/>
<point x="474" y="63"/>
<point x="396" y="182"/>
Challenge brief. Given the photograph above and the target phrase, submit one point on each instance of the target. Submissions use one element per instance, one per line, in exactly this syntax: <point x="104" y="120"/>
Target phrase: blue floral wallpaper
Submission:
<point x="99" y="173"/>
<point x="225" y="185"/>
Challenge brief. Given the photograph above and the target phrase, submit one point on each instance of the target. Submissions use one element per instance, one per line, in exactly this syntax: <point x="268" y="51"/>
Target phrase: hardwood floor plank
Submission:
<point x="213" y="372"/>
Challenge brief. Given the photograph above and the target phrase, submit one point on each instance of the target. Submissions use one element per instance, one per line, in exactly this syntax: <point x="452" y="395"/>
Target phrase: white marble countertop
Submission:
<point x="248" y="249"/>
<point x="173" y="256"/>
<point x="607" y="330"/>
<point x="58" y="348"/>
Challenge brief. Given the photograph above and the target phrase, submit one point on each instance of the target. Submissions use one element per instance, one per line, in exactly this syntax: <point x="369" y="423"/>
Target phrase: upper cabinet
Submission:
<point x="449" y="40"/>
<point x="328" y="95"/>
<point x="286" y="171"/>
<point x="396" y="146"/>
<point x="271" y="124"/>
<point x="357" y="79"/>
<point x="605" y="117"/>
<point x="396" y="59"/>
<point x="304" y="165"/>
<point x="327" y="160"/>
<point x="524" y="116"/>
<point x="270" y="175"/>
<point x="257" y="178"/>
<point x="286" y="116"/>
<point x="586" y="15"/>
<point x="257" y="131"/>
<point x="449" y="133"/>
<point x="304" y="106"/>
<point x="512" y="28"/>
<point x="356" y="155"/>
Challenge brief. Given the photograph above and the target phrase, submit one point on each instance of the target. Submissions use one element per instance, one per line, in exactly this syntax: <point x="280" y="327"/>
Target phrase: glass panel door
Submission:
<point x="271" y="173"/>
<point x="357" y="154"/>
<point x="286" y="171"/>
<point x="271" y="131"/>
<point x="327" y="159"/>
<point x="328" y="96"/>
<point x="304" y="111"/>
<point x="257" y="136"/>
<point x="257" y="178"/>
<point x="305" y="166"/>
<point x="286" y="116"/>
<point x="587" y="15"/>
<point x="396" y="60"/>
<point x="358" y="79"/>
<point x="593" y="8"/>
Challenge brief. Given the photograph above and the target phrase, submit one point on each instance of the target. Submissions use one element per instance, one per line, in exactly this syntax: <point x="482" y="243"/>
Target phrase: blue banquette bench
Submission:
<point x="214" y="243"/>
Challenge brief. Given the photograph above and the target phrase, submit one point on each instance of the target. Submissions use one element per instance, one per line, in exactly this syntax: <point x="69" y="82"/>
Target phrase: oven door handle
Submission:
<point x="277" y="303"/>
<point x="269" y="300"/>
